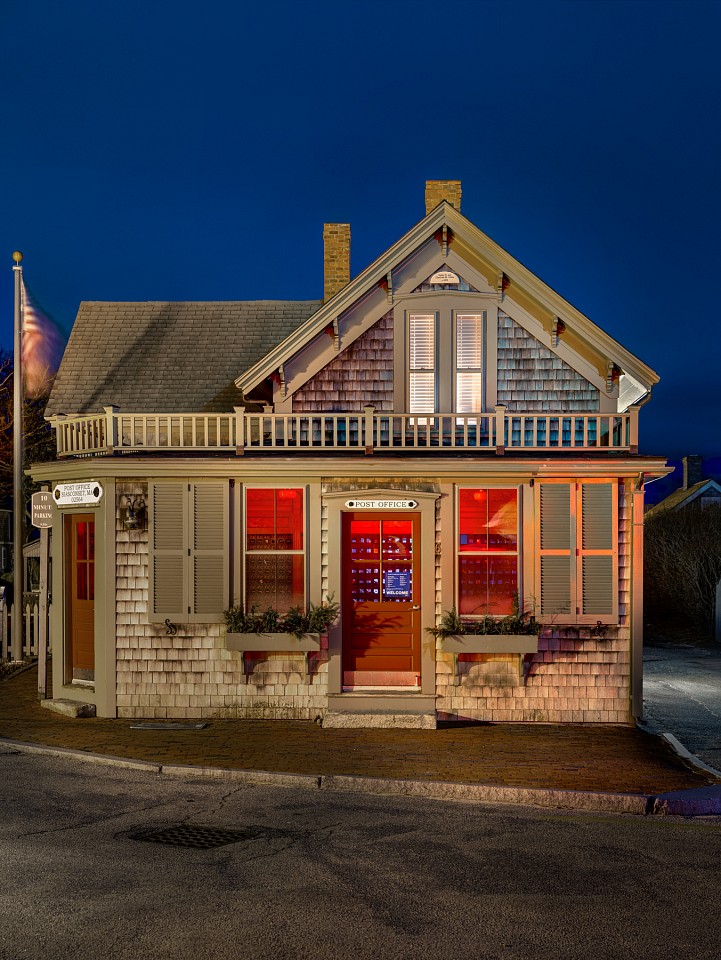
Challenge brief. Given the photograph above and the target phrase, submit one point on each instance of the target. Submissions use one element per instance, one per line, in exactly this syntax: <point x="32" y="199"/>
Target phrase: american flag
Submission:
<point x="43" y="346"/>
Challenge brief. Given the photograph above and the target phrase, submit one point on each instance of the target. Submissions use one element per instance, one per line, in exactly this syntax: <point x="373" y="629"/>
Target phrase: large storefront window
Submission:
<point x="487" y="551"/>
<point x="274" y="548"/>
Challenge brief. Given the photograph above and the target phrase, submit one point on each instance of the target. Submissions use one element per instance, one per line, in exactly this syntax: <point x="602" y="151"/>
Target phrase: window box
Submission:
<point x="490" y="643"/>
<point x="272" y="642"/>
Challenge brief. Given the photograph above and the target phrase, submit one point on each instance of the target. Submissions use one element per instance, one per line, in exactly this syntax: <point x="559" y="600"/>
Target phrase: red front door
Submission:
<point x="381" y="599"/>
<point x="80" y="533"/>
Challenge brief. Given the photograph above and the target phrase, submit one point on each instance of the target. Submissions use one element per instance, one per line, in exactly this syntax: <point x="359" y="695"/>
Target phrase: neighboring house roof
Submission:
<point x="468" y="245"/>
<point x="168" y="357"/>
<point x="683" y="497"/>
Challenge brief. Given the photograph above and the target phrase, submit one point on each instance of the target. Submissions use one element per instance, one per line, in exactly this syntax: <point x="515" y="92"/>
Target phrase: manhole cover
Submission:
<point x="196" y="837"/>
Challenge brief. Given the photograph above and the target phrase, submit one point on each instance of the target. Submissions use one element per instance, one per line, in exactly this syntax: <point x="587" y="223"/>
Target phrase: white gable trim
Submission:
<point x="408" y="249"/>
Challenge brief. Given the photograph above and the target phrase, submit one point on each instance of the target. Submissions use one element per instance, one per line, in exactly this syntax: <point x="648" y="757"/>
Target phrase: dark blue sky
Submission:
<point x="183" y="150"/>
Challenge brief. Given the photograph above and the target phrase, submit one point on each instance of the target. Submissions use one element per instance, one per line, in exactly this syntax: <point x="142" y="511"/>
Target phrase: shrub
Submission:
<point x="316" y="619"/>
<point x="682" y="566"/>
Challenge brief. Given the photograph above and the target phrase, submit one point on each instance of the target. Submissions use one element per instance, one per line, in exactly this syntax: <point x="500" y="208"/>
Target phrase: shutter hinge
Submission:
<point x="188" y="610"/>
<point x="232" y="483"/>
<point x="188" y="551"/>
<point x="188" y="488"/>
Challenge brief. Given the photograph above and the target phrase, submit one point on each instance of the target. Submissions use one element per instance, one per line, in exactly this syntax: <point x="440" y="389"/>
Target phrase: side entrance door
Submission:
<point x="80" y="581"/>
<point x="381" y="599"/>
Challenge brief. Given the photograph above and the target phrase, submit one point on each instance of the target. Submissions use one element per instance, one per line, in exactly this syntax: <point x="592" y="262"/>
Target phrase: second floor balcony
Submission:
<point x="368" y="432"/>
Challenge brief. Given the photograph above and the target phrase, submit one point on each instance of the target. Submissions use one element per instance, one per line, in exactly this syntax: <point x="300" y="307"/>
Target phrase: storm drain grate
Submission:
<point x="195" y="837"/>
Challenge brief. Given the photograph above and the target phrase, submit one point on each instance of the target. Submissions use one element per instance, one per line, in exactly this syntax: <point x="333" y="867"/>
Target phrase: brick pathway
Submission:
<point x="573" y="757"/>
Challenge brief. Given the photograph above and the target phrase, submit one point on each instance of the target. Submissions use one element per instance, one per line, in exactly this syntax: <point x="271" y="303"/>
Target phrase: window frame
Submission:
<point x="447" y="306"/>
<point x="457" y="553"/>
<point x="245" y="553"/>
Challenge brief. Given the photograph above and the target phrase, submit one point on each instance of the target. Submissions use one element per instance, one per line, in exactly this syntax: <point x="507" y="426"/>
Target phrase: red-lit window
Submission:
<point x="487" y="551"/>
<point x="274" y="548"/>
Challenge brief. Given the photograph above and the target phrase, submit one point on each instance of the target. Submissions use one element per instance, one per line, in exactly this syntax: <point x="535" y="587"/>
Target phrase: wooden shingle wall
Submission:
<point x="361" y="374"/>
<point x="574" y="678"/>
<point x="531" y="377"/>
<point x="191" y="675"/>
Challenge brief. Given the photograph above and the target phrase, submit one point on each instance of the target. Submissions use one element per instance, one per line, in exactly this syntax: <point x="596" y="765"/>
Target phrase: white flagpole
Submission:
<point x="18" y="499"/>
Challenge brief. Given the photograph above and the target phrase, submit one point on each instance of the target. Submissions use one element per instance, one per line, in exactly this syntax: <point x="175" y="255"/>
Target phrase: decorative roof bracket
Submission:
<point x="336" y="335"/>
<point x="612" y="375"/>
<point x="500" y="287"/>
<point x="558" y="328"/>
<point x="283" y="384"/>
<point x="389" y="286"/>
<point x="444" y="244"/>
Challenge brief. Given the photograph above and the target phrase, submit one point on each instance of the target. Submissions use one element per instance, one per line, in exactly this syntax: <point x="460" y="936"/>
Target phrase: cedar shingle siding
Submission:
<point x="361" y="374"/>
<point x="530" y="377"/>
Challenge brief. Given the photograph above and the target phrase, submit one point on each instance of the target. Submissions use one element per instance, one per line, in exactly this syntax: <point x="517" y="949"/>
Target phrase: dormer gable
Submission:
<point x="448" y="285"/>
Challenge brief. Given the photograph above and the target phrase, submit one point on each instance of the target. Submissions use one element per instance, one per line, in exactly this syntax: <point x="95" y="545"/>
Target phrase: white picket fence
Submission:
<point x="30" y="627"/>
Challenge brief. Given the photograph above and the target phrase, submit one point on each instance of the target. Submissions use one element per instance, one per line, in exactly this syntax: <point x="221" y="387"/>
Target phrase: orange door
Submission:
<point x="81" y="600"/>
<point x="381" y="599"/>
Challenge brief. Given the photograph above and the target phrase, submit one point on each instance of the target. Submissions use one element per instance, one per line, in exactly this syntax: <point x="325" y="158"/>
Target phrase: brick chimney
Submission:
<point x="437" y="190"/>
<point x="692" y="471"/>
<point x="336" y="258"/>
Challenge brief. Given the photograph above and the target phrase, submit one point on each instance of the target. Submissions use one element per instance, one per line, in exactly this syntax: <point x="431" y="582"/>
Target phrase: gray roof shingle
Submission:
<point x="167" y="357"/>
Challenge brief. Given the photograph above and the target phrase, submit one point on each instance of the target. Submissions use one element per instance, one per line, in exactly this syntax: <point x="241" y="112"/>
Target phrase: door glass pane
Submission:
<point x="365" y="539"/>
<point x="82" y="581"/>
<point x="91" y="581"/>
<point x="81" y="533"/>
<point x="398" y="583"/>
<point x="365" y="582"/>
<point x="397" y="540"/>
<point x="91" y="540"/>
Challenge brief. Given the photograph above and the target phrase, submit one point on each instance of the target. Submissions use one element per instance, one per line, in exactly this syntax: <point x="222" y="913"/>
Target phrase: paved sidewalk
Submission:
<point x="588" y="758"/>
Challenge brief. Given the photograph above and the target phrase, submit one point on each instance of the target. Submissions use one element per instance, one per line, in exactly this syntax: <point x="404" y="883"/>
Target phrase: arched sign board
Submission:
<point x="88" y="493"/>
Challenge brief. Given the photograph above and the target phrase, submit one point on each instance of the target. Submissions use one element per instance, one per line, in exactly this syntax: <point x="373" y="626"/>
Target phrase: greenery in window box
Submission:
<point x="316" y="619"/>
<point x="520" y="622"/>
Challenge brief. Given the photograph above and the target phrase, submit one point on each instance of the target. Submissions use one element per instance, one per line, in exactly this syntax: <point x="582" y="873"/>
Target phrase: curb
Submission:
<point x="702" y="801"/>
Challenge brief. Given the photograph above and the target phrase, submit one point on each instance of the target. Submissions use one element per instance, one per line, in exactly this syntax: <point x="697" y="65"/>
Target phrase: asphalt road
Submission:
<point x="682" y="696"/>
<point x="336" y="875"/>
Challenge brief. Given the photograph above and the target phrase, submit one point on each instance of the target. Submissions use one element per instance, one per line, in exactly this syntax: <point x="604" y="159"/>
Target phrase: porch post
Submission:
<point x="500" y="429"/>
<point x="111" y="431"/>
<point x="368" y="413"/>
<point x="239" y="431"/>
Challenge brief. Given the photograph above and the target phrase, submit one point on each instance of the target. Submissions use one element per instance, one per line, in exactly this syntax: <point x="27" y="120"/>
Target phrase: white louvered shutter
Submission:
<point x="598" y="555"/>
<point x="168" y="593"/>
<point x="422" y="363"/>
<point x="555" y="550"/>
<point x="469" y="363"/>
<point x="209" y="551"/>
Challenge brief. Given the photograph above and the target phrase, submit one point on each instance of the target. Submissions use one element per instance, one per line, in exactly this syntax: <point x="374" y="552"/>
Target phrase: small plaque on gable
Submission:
<point x="444" y="276"/>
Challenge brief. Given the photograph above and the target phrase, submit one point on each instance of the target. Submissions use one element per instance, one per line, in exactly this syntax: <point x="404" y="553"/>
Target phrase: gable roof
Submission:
<point x="491" y="260"/>
<point x="158" y="357"/>
<point x="684" y="497"/>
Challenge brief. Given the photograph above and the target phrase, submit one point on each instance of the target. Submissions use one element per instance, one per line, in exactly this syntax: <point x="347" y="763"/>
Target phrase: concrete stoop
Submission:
<point x="69" y="708"/>
<point x="379" y="719"/>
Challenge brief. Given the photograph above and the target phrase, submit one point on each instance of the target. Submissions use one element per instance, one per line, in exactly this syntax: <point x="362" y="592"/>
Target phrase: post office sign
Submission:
<point x="381" y="504"/>
<point x="88" y="493"/>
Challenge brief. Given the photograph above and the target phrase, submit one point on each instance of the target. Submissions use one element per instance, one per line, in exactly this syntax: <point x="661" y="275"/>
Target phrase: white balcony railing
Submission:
<point x="369" y="431"/>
